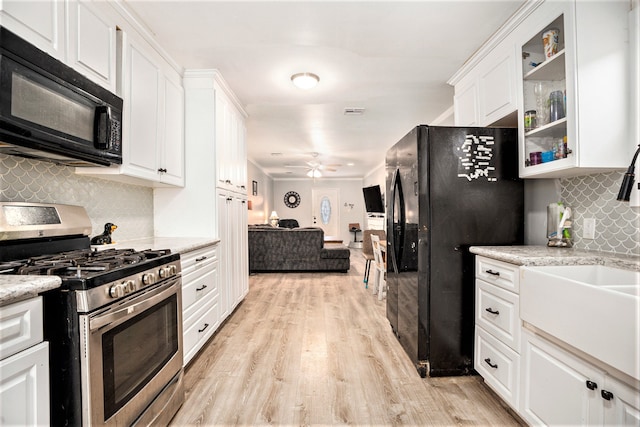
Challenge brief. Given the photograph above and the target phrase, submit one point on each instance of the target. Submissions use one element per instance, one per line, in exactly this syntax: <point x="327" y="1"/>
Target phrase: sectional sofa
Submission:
<point x="295" y="249"/>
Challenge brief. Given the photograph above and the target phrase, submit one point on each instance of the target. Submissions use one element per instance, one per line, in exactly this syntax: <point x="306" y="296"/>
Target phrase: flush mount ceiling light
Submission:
<point x="305" y="80"/>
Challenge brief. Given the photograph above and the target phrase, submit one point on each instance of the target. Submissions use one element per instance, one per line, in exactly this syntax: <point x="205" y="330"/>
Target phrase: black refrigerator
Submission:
<point x="448" y="188"/>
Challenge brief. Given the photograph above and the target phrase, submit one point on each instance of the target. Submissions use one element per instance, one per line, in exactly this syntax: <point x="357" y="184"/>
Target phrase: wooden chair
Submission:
<point x="380" y="283"/>
<point x="367" y="251"/>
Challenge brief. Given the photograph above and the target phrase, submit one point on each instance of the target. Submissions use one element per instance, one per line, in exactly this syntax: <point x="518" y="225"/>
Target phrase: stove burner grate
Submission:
<point x="81" y="263"/>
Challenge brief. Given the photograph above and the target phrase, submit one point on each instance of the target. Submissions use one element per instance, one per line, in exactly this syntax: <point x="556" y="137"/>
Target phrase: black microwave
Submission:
<point x="48" y="111"/>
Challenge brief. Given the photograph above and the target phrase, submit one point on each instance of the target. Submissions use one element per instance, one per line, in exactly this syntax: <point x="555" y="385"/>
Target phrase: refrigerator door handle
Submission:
<point x="391" y="230"/>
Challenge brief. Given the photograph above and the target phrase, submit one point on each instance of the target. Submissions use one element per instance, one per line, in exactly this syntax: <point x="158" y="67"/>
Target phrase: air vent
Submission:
<point x="354" y="111"/>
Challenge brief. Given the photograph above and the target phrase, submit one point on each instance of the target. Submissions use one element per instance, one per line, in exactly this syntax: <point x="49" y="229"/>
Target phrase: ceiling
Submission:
<point x="391" y="58"/>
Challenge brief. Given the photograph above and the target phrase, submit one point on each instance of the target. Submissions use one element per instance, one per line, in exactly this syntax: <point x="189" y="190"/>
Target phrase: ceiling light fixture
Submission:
<point x="305" y="80"/>
<point x="314" y="173"/>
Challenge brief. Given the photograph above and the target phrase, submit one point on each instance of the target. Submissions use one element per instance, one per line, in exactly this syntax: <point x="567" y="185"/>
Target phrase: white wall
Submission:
<point x="262" y="202"/>
<point x="538" y="194"/>
<point x="350" y="193"/>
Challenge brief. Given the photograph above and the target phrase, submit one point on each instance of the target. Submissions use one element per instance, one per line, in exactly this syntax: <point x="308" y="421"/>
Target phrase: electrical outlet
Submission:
<point x="589" y="231"/>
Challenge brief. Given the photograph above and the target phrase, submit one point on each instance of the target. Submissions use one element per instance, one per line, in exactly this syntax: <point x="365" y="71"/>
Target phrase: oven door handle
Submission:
<point x="133" y="307"/>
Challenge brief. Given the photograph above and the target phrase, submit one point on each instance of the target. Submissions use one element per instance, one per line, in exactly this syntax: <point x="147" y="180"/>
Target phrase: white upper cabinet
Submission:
<point x="488" y="92"/>
<point x="153" y="117"/>
<point x="92" y="42"/>
<point x="41" y="23"/>
<point x="84" y="37"/>
<point x="465" y="103"/>
<point x="231" y="149"/>
<point x="172" y="147"/>
<point x="497" y="85"/>
<point x="141" y="88"/>
<point x="590" y="75"/>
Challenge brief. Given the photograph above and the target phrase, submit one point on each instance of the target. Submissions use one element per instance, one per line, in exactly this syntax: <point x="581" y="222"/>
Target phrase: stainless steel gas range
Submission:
<point x="115" y="325"/>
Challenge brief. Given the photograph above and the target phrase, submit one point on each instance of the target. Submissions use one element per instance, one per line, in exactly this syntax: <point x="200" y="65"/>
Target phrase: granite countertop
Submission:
<point x="15" y="288"/>
<point x="543" y="255"/>
<point x="176" y="244"/>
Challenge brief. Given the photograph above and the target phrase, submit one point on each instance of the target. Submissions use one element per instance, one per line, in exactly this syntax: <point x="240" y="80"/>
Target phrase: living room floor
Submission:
<point x="316" y="349"/>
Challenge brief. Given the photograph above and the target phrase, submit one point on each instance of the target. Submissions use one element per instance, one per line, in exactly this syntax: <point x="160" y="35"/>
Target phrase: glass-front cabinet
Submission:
<point x="574" y="89"/>
<point x="544" y="94"/>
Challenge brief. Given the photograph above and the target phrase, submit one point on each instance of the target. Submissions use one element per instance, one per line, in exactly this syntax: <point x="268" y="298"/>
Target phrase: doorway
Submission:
<point x="325" y="210"/>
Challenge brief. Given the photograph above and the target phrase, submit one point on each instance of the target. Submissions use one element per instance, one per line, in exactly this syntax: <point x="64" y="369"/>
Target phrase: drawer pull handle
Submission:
<point x="202" y="258"/>
<point x="206" y="325"/>
<point x="490" y="310"/>
<point x="493" y="273"/>
<point x="591" y="385"/>
<point x="493" y="365"/>
<point x="606" y="395"/>
<point x="202" y="288"/>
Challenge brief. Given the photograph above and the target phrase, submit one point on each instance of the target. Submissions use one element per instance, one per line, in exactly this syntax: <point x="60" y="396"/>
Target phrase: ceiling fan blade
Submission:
<point x="330" y="169"/>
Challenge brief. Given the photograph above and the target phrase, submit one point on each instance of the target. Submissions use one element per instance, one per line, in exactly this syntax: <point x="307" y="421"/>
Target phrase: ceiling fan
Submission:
<point x="314" y="168"/>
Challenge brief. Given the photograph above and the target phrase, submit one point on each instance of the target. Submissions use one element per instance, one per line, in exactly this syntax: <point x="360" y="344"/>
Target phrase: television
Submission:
<point x="373" y="199"/>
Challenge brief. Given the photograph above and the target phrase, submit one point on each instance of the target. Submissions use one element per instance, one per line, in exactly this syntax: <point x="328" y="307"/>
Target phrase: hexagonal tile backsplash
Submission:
<point x="130" y="207"/>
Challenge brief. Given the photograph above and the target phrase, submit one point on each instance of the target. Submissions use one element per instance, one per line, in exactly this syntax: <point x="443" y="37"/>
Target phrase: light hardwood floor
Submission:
<point x="316" y="349"/>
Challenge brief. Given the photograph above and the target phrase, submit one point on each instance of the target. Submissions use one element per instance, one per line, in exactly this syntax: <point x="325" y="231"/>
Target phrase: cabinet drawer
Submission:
<point x="498" y="365"/>
<point x="198" y="285"/>
<point x="199" y="328"/>
<point x="195" y="260"/>
<point x="498" y="312"/>
<point x="499" y="273"/>
<point x="20" y="326"/>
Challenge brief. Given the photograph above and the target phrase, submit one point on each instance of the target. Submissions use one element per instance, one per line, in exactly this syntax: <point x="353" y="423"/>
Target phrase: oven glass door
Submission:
<point x="134" y="351"/>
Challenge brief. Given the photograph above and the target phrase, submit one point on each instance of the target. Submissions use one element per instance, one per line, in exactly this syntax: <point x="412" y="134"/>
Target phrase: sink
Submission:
<point x="594" y="275"/>
<point x="593" y="308"/>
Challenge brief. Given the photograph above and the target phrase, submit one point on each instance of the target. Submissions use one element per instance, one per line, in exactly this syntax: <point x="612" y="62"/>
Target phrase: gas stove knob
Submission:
<point x="117" y="291"/>
<point x="164" y="272"/>
<point x="148" y="279"/>
<point x="173" y="269"/>
<point x="130" y="286"/>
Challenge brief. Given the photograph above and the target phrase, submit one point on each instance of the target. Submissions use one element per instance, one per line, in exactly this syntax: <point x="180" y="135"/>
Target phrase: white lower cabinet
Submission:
<point x="24" y="387"/>
<point x="497" y="333"/>
<point x="24" y="368"/>
<point x="232" y="229"/>
<point x="545" y="380"/>
<point x="200" y="298"/>
<point x="498" y="365"/>
<point x="559" y="388"/>
<point x="623" y="406"/>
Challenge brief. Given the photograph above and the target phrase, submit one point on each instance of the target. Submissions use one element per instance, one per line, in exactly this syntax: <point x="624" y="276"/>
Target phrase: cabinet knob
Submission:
<point x="606" y="395"/>
<point x="591" y="385"/>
